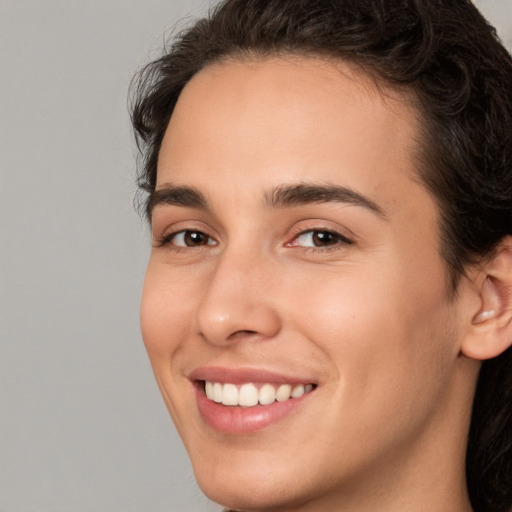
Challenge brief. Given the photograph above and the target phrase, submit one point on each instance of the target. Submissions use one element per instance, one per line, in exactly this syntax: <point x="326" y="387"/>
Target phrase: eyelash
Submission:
<point x="167" y="239"/>
<point x="338" y="240"/>
<point x="334" y="242"/>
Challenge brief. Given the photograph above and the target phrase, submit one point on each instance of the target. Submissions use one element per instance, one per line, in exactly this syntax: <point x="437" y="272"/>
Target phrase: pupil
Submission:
<point x="324" y="238"/>
<point x="195" y="238"/>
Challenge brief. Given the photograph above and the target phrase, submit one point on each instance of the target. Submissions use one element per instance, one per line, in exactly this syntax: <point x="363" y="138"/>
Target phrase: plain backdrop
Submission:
<point x="82" y="425"/>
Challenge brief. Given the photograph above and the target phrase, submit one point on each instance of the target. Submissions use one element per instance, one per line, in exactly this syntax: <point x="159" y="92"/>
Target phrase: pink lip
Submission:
<point x="243" y="420"/>
<point x="243" y="375"/>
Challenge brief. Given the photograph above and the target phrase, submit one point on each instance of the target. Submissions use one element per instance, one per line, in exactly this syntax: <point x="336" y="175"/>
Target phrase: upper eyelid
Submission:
<point x="321" y="229"/>
<point x="167" y="226"/>
<point x="167" y="237"/>
<point x="308" y="225"/>
<point x="166" y="240"/>
<point x="299" y="227"/>
<point x="344" y="238"/>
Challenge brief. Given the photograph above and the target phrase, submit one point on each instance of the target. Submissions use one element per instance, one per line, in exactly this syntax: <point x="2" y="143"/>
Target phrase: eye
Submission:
<point x="187" y="238"/>
<point x="319" y="238"/>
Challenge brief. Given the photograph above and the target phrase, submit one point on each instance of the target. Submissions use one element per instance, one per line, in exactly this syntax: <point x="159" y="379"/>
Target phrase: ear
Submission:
<point x="490" y="332"/>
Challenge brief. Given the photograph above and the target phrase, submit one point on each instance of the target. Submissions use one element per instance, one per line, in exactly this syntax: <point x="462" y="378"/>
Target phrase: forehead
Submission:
<point x="281" y="119"/>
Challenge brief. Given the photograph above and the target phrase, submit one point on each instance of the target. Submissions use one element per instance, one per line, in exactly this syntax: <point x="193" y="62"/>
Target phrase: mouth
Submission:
<point x="252" y="395"/>
<point x="245" y="401"/>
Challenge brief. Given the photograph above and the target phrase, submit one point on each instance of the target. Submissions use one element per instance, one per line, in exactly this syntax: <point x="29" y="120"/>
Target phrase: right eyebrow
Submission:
<point x="285" y="196"/>
<point x="174" y="195"/>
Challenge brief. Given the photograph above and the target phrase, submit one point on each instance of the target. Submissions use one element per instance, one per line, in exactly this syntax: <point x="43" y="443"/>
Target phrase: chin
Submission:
<point x="237" y="494"/>
<point x="254" y="483"/>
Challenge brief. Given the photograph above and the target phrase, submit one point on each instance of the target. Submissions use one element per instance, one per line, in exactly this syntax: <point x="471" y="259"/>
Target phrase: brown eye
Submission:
<point x="188" y="238"/>
<point x="320" y="238"/>
<point x="192" y="238"/>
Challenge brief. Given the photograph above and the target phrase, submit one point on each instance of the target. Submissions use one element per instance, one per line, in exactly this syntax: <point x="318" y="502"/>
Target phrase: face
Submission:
<point x="295" y="309"/>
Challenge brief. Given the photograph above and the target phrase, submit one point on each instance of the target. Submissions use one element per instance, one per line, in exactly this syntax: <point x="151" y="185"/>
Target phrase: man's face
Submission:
<point x="294" y="248"/>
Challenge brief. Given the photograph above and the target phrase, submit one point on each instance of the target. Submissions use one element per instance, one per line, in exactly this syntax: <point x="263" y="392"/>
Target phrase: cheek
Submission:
<point x="166" y="317"/>
<point x="388" y="342"/>
<point x="165" y="313"/>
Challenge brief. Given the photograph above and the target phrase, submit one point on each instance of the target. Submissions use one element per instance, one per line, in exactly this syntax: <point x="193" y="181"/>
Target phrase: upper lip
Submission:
<point x="244" y="375"/>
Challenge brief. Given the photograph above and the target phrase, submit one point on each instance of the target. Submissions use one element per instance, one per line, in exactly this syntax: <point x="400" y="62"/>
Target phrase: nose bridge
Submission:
<point x="237" y="298"/>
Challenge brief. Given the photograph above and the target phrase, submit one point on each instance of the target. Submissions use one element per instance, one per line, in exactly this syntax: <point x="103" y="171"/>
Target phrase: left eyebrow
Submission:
<point x="285" y="196"/>
<point x="177" y="196"/>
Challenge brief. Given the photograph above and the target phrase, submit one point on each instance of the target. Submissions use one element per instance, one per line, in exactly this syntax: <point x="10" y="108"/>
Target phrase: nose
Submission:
<point x="237" y="302"/>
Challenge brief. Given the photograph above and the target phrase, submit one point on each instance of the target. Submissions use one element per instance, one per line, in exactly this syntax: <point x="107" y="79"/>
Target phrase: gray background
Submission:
<point x="82" y="425"/>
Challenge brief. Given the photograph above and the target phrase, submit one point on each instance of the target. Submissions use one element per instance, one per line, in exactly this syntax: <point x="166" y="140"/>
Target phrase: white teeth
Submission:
<point x="229" y="394"/>
<point x="298" y="391"/>
<point x="284" y="392"/>
<point x="267" y="394"/>
<point x="248" y="395"/>
<point x="217" y="392"/>
<point x="208" y="387"/>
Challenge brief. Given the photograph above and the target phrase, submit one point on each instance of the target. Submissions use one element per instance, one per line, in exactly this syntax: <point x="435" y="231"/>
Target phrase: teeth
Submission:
<point x="248" y="395"/>
<point x="217" y="392"/>
<point x="208" y="387"/>
<point x="284" y="392"/>
<point x="229" y="394"/>
<point x="298" y="391"/>
<point x="267" y="394"/>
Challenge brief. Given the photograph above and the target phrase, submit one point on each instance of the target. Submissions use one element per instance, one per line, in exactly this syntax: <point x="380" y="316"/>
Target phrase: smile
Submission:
<point x="241" y="401"/>
<point x="251" y="395"/>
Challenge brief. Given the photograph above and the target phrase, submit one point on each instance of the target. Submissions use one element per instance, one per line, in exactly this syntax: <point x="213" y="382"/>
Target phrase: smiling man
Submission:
<point x="330" y="201"/>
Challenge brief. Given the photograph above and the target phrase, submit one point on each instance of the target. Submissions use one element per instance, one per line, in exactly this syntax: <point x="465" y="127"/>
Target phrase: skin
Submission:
<point x="370" y="321"/>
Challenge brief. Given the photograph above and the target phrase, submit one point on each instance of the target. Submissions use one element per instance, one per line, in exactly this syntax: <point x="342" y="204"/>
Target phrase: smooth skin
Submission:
<point x="349" y="294"/>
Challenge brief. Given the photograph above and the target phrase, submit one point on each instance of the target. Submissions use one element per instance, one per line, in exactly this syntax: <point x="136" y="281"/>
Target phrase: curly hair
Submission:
<point x="451" y="63"/>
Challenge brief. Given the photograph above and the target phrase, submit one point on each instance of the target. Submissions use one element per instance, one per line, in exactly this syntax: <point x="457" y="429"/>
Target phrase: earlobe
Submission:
<point x="490" y="332"/>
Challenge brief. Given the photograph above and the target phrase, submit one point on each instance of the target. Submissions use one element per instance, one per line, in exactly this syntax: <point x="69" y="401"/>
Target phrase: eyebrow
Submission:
<point x="282" y="196"/>
<point x="174" y="195"/>
<point x="285" y="196"/>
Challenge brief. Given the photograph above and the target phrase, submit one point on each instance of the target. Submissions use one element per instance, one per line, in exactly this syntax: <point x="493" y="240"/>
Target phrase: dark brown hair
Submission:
<point x="450" y="61"/>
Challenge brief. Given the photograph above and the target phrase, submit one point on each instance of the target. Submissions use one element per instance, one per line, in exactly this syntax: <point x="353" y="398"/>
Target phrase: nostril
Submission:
<point x="244" y="331"/>
<point x="226" y="320"/>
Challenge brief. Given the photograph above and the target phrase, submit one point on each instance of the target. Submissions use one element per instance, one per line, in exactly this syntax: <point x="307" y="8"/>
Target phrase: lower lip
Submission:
<point x="243" y="420"/>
